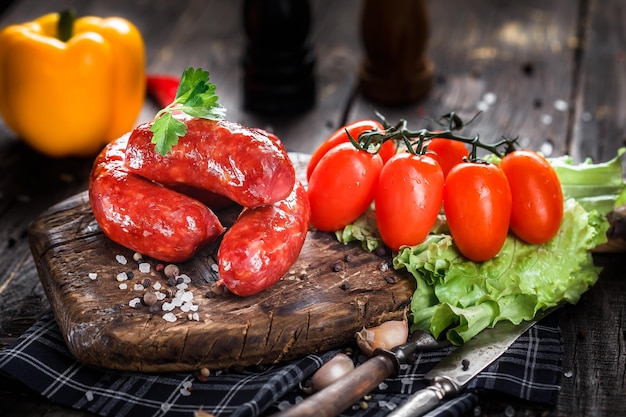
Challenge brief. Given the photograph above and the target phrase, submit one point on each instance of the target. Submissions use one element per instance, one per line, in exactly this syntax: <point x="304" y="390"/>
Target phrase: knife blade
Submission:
<point x="455" y="371"/>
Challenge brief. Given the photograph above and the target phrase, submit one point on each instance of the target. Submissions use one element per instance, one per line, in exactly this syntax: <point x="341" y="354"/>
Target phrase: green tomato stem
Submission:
<point x="416" y="141"/>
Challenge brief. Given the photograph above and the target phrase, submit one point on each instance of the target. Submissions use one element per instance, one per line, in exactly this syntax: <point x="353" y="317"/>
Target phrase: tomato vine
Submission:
<point x="416" y="141"/>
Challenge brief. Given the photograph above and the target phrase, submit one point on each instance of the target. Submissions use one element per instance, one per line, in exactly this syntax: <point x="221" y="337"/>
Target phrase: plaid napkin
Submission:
<point x="529" y="370"/>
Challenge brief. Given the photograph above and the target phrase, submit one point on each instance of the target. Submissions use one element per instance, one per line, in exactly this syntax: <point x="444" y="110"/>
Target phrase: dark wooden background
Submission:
<point x="520" y="61"/>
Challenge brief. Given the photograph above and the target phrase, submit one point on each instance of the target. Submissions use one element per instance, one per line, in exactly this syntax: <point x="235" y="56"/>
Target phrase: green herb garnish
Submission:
<point x="196" y="97"/>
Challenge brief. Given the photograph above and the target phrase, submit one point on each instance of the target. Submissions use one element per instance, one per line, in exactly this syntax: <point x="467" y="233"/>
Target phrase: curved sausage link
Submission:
<point x="144" y="216"/>
<point x="264" y="243"/>
<point x="249" y="166"/>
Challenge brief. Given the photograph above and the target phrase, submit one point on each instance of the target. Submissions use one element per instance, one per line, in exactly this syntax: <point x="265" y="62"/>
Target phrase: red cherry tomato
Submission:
<point x="408" y="199"/>
<point x="477" y="204"/>
<point x="537" y="209"/>
<point x="342" y="186"/>
<point x="449" y="152"/>
<point x="339" y="136"/>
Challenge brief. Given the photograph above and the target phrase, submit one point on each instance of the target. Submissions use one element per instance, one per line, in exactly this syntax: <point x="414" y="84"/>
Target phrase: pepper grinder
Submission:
<point x="396" y="69"/>
<point x="279" y="59"/>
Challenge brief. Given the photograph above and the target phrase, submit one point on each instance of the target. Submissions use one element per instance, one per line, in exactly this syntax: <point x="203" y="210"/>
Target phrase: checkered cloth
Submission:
<point x="529" y="370"/>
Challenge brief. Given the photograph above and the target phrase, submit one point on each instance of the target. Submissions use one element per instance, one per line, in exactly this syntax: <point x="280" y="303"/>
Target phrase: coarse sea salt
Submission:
<point x="93" y="275"/>
<point x="121" y="259"/>
<point x="144" y="267"/>
<point x="171" y="317"/>
<point x="134" y="302"/>
<point x="122" y="276"/>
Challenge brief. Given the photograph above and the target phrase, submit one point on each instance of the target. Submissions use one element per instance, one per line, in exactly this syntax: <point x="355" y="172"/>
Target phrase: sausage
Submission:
<point x="144" y="216"/>
<point x="249" y="166"/>
<point x="263" y="243"/>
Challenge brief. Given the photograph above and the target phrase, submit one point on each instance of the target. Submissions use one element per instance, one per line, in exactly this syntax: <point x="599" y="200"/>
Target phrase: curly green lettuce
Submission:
<point x="460" y="298"/>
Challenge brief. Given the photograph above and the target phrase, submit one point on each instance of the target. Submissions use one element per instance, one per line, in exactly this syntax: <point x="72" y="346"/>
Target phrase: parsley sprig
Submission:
<point x="196" y="97"/>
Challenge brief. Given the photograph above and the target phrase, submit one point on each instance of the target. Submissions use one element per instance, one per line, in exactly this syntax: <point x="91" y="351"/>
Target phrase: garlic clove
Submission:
<point x="385" y="336"/>
<point x="335" y="368"/>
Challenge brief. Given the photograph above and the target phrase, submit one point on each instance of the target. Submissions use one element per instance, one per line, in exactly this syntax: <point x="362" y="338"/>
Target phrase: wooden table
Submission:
<point x="552" y="73"/>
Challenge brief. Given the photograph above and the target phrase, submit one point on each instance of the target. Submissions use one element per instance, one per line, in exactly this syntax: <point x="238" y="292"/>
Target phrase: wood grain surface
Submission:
<point x="551" y="72"/>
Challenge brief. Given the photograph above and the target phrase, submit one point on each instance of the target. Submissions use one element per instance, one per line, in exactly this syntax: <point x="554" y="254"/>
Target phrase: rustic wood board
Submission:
<point x="332" y="291"/>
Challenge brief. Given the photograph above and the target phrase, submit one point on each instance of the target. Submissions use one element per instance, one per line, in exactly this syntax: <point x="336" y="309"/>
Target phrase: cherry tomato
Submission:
<point x="342" y="186"/>
<point x="339" y="136"/>
<point x="477" y="204"/>
<point x="408" y="199"/>
<point x="449" y="152"/>
<point x="537" y="209"/>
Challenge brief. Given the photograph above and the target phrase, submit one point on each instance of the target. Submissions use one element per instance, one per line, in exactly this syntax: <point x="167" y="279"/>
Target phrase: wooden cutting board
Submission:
<point x="332" y="291"/>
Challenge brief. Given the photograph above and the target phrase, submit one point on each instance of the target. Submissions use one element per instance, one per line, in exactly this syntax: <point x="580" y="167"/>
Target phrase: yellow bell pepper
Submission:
<point x="70" y="98"/>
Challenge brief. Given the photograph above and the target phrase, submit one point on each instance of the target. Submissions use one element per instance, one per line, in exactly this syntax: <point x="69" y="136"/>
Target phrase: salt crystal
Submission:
<point x="134" y="302"/>
<point x="160" y="295"/>
<point x="215" y="268"/>
<point x="167" y="306"/>
<point x="193" y="307"/>
<point x="144" y="267"/>
<point x="89" y="395"/>
<point x="93" y="275"/>
<point x="123" y="286"/>
<point x="171" y="317"/>
<point x="185" y="392"/>
<point x="560" y="105"/>
<point x="157" y="286"/>
<point x="122" y="276"/>
<point x="490" y="98"/>
<point x="546" y="119"/>
<point x="187" y="296"/>
<point x="546" y="148"/>
<point x="482" y="106"/>
<point x="185" y="278"/>
<point x="121" y="259"/>
<point x="138" y="287"/>
<point x="195" y="316"/>
<point x="182" y="286"/>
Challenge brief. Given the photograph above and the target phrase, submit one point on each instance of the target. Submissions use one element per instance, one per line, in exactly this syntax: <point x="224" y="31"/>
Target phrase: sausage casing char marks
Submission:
<point x="263" y="243"/>
<point x="144" y="216"/>
<point x="249" y="166"/>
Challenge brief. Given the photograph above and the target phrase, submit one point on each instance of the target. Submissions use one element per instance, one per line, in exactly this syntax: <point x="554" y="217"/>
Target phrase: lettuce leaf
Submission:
<point x="460" y="298"/>
<point x="596" y="186"/>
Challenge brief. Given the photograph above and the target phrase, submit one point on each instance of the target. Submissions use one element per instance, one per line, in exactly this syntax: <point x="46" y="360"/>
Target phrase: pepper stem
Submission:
<point x="65" y="27"/>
